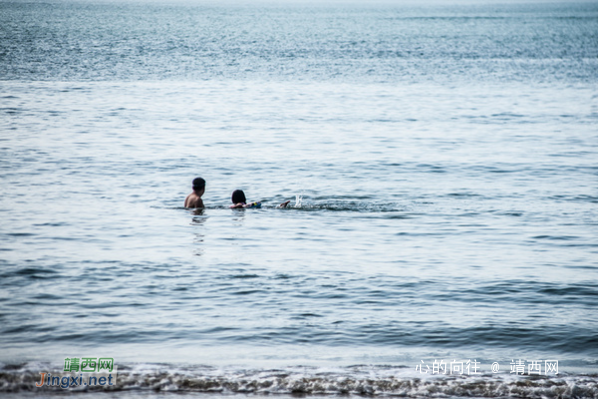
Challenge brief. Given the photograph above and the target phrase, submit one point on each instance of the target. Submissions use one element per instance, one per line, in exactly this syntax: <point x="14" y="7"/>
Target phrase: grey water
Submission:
<point x="440" y="160"/>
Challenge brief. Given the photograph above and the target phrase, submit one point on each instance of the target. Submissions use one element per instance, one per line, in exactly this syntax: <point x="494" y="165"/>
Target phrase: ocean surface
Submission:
<point x="441" y="163"/>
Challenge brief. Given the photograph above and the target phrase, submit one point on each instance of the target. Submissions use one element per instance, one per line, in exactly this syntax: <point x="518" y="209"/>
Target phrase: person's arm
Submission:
<point x="284" y="204"/>
<point x="238" y="205"/>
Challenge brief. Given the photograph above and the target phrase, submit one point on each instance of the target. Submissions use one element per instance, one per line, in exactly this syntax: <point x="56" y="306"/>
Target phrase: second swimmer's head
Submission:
<point x="238" y="197"/>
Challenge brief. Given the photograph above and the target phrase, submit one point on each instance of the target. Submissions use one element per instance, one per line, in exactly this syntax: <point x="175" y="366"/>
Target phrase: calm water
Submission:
<point x="440" y="160"/>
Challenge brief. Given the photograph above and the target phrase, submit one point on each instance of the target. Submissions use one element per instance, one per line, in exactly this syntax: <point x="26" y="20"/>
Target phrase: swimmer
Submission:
<point x="239" y="201"/>
<point x="194" y="200"/>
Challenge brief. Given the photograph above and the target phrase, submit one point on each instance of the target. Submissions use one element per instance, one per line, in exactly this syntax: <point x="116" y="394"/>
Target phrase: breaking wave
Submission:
<point x="357" y="380"/>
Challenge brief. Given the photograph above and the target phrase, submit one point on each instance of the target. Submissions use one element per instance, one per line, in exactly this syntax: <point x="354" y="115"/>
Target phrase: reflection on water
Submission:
<point x="198" y="220"/>
<point x="198" y="212"/>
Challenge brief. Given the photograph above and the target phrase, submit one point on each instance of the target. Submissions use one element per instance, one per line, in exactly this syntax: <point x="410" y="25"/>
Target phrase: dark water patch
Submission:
<point x="572" y="291"/>
<point x="579" y="245"/>
<point x="555" y="238"/>
<point x="247" y="292"/>
<point x="113" y="304"/>
<point x="390" y="215"/>
<point x="431" y="168"/>
<point x="575" y="198"/>
<point x="104" y="333"/>
<point x="30" y="328"/>
<point x="305" y="315"/>
<point x="507" y="115"/>
<point x="31" y="271"/>
<point x="333" y="56"/>
<point x="582" y="267"/>
<point x="284" y="277"/>
<point x="58" y="238"/>
<point x="462" y="195"/>
<point x="510" y="213"/>
<point x="47" y="296"/>
<point x="244" y="276"/>
<point x="12" y="366"/>
<point x="561" y="339"/>
<point x="497" y="170"/>
<point x="506" y="169"/>
<point x="424" y="234"/>
<point x="468" y="214"/>
<point x="521" y="292"/>
<point x="572" y="154"/>
<point x="11" y="111"/>
<point x="51" y="224"/>
<point x="35" y="304"/>
<point x="518" y="292"/>
<point x="21" y="234"/>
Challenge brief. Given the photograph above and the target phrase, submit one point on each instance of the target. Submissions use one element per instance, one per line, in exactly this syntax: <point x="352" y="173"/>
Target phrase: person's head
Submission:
<point x="199" y="185"/>
<point x="238" y="197"/>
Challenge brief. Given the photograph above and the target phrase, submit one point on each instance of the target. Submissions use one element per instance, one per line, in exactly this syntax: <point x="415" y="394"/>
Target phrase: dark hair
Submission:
<point x="199" y="183"/>
<point x="239" y="196"/>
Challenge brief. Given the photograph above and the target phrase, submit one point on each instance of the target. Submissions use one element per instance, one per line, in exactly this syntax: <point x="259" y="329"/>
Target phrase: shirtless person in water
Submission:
<point x="193" y="200"/>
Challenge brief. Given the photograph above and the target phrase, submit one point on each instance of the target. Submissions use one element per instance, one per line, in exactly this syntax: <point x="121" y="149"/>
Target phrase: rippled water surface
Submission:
<point x="441" y="167"/>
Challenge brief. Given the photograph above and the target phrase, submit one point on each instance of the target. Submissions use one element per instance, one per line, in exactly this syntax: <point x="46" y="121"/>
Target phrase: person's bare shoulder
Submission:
<point x="187" y="200"/>
<point x="193" y="201"/>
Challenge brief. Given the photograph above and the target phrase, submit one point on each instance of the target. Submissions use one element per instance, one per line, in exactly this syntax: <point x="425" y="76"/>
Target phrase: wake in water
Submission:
<point x="325" y="204"/>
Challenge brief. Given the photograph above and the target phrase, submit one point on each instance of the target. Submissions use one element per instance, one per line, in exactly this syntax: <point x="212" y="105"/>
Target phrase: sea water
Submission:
<point x="440" y="160"/>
